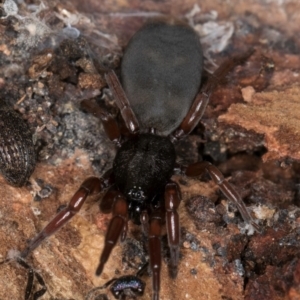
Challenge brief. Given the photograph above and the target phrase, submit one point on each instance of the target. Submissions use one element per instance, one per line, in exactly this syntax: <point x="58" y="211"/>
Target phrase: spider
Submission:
<point x="161" y="100"/>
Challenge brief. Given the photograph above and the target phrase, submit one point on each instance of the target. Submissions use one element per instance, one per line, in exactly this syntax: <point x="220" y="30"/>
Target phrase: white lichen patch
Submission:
<point x="215" y="35"/>
<point x="12" y="254"/>
<point x="36" y="211"/>
<point x="32" y="31"/>
<point x="263" y="212"/>
<point x="10" y="8"/>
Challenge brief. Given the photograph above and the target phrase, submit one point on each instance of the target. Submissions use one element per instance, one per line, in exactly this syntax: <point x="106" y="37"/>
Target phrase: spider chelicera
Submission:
<point x="161" y="100"/>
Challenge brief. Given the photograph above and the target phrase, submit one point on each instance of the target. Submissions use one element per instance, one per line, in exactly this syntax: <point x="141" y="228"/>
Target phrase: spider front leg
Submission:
<point x="155" y="227"/>
<point x="227" y="189"/>
<point x="172" y="201"/>
<point x="90" y="186"/>
<point x="117" y="227"/>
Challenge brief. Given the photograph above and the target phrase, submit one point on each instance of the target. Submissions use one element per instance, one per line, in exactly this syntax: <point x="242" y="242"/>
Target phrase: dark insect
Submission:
<point x="122" y="287"/>
<point x="29" y="287"/>
<point x="17" y="153"/>
<point x="31" y="274"/>
<point x="161" y="100"/>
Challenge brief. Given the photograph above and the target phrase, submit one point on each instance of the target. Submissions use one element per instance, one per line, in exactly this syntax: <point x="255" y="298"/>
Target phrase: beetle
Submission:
<point x="17" y="152"/>
<point x="121" y="287"/>
<point x="161" y="98"/>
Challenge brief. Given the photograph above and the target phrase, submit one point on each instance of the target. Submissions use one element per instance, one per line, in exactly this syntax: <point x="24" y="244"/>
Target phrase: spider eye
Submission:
<point x="136" y="194"/>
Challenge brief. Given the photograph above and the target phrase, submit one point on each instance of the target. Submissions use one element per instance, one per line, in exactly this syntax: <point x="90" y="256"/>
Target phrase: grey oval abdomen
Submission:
<point x="161" y="74"/>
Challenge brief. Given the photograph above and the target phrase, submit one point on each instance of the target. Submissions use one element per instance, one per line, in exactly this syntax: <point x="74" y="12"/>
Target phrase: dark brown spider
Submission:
<point x="160" y="103"/>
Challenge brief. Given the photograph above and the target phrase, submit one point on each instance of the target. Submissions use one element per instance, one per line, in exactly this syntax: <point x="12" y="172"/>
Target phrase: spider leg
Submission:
<point x="109" y="123"/>
<point x="155" y="250"/>
<point x="90" y="186"/>
<point x="122" y="102"/>
<point x="29" y="286"/>
<point x="117" y="227"/>
<point x="144" y="218"/>
<point x="106" y="206"/>
<point x="92" y="293"/>
<point x="30" y="279"/>
<point x="227" y="189"/>
<point x="172" y="201"/>
<point x="107" y="202"/>
<point x="142" y="270"/>
<point x="198" y="107"/>
<point x="43" y="290"/>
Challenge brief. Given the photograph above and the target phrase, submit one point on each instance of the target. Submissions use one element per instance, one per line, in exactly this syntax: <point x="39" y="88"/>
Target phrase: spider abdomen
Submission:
<point x="161" y="74"/>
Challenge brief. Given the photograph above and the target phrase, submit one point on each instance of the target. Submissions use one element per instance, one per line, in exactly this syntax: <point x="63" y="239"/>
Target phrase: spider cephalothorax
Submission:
<point x="143" y="165"/>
